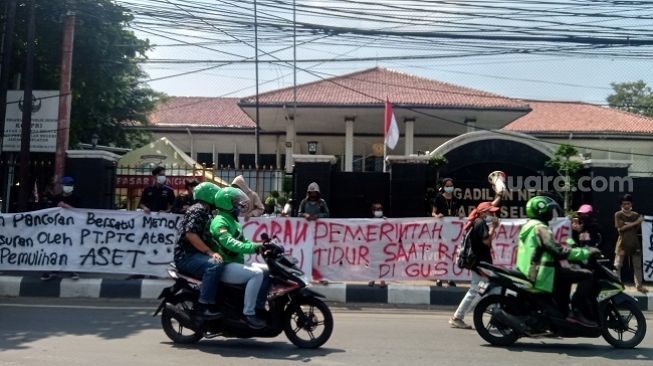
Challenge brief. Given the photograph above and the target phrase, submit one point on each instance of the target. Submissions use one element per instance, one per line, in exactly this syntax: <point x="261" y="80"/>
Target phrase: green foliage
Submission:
<point x="635" y="97"/>
<point x="438" y="161"/>
<point x="107" y="93"/>
<point x="567" y="167"/>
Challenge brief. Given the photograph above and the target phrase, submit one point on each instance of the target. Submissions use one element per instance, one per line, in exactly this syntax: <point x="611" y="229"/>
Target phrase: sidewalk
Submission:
<point x="113" y="286"/>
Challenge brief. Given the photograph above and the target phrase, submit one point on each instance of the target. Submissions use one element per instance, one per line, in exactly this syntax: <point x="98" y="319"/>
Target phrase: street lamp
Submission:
<point x="94" y="140"/>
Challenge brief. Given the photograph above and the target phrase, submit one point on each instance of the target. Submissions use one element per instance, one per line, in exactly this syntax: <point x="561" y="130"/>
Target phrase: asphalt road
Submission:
<point x="56" y="332"/>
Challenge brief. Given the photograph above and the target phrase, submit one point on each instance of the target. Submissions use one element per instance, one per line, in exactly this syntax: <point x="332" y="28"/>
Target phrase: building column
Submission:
<point x="290" y="142"/>
<point x="409" y="137"/>
<point x="349" y="144"/>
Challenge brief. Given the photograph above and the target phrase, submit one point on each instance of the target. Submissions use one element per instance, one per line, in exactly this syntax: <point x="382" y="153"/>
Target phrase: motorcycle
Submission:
<point x="511" y="308"/>
<point x="293" y="308"/>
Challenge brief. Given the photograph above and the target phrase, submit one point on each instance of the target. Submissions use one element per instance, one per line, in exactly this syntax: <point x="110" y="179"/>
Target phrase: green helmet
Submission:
<point x="205" y="192"/>
<point x="229" y="198"/>
<point x="541" y="208"/>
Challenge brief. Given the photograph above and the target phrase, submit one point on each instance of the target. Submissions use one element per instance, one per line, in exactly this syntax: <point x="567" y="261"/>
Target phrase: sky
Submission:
<point x="522" y="49"/>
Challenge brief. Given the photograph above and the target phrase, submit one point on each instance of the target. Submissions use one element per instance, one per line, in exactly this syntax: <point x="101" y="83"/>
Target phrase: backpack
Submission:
<point x="466" y="259"/>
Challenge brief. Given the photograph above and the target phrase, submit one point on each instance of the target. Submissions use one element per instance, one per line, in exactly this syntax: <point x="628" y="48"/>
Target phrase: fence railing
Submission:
<point x="131" y="180"/>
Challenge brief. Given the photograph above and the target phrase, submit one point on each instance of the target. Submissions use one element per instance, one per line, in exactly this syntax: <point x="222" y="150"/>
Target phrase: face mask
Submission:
<point x="160" y="179"/>
<point x="448" y="189"/>
<point x="378" y="214"/>
<point x="236" y="211"/>
<point x="489" y="219"/>
<point x="627" y="209"/>
<point x="67" y="189"/>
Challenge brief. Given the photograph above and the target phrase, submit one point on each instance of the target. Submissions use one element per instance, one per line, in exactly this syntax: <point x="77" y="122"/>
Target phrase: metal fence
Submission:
<point x="131" y="180"/>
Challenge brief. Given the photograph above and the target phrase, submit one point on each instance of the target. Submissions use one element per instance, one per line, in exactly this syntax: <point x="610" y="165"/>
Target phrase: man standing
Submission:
<point x="157" y="197"/>
<point x="629" y="223"/>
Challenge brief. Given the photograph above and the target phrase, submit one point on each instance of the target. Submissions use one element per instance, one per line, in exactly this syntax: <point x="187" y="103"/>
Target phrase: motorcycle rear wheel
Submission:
<point x="618" y="321"/>
<point x="173" y="328"/>
<point x="495" y="334"/>
<point x="306" y="316"/>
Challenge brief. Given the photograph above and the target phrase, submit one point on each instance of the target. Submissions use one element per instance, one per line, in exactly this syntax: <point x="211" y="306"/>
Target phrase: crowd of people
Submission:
<point x="212" y="246"/>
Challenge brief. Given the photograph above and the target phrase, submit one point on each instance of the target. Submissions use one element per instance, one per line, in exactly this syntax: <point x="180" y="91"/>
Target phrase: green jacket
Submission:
<point x="538" y="254"/>
<point x="227" y="239"/>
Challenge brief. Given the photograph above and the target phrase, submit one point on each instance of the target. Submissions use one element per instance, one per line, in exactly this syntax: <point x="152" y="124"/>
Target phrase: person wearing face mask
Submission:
<point x="586" y="231"/>
<point x="158" y="197"/>
<point x="482" y="222"/>
<point x="377" y="211"/>
<point x="65" y="199"/>
<point x="629" y="224"/>
<point x="313" y="207"/>
<point x="228" y="240"/>
<point x="445" y="203"/>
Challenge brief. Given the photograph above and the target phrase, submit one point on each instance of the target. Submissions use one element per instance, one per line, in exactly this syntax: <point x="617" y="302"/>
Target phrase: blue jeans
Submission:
<point x="208" y="269"/>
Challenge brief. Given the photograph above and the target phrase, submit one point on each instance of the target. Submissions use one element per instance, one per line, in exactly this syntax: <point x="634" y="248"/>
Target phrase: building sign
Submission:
<point x="142" y="181"/>
<point x="45" y="112"/>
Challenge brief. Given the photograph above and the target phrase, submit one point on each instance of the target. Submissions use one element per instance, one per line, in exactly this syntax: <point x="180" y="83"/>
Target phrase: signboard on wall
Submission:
<point x="45" y="112"/>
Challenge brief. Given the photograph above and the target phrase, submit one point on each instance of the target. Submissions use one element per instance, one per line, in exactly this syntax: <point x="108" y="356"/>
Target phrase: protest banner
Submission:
<point x="647" y="248"/>
<point x="79" y="240"/>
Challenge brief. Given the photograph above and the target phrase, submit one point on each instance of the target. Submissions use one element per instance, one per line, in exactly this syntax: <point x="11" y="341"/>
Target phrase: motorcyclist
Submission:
<point x="193" y="256"/>
<point x="539" y="256"/>
<point x="227" y="239"/>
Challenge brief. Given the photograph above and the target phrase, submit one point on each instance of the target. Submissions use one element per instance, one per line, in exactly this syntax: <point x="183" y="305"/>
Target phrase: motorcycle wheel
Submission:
<point x="497" y="335"/>
<point x="618" y="322"/>
<point x="173" y="328"/>
<point x="309" y="317"/>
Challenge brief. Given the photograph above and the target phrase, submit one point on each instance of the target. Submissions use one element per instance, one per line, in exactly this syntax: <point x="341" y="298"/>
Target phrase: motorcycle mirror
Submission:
<point x="265" y="237"/>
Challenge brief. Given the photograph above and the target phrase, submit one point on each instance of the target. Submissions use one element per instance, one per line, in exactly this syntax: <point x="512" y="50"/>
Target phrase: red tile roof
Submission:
<point x="562" y="117"/>
<point x="200" y="112"/>
<point x="373" y="86"/>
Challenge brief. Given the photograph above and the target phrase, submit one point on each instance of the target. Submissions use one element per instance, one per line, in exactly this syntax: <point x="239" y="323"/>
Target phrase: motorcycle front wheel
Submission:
<point x="489" y="329"/>
<point x="308" y="322"/>
<point x="173" y="327"/>
<point x="623" y="325"/>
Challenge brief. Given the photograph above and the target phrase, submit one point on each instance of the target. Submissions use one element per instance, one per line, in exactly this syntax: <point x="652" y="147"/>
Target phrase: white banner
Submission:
<point x="80" y="240"/>
<point x="405" y="249"/>
<point x="334" y="249"/>
<point x="45" y="114"/>
<point x="647" y="248"/>
<point x="295" y="235"/>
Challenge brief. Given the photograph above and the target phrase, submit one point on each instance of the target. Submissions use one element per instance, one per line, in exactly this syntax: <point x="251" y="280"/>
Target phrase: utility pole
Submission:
<point x="7" y="47"/>
<point x="27" y="112"/>
<point x="256" y="133"/>
<point x="5" y="71"/>
<point x="63" y="124"/>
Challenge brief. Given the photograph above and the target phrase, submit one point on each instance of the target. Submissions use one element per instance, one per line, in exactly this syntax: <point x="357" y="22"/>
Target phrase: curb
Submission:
<point x="398" y="294"/>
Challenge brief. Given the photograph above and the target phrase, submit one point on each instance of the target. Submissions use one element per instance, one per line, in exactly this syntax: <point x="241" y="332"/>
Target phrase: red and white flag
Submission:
<point x="391" y="129"/>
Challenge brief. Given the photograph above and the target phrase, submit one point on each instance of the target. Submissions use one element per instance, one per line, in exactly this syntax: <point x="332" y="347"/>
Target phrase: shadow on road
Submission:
<point x="582" y="350"/>
<point x="253" y="348"/>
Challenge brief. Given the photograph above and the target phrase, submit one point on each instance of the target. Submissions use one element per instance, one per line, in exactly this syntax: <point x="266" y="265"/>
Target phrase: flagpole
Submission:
<point x="385" y="152"/>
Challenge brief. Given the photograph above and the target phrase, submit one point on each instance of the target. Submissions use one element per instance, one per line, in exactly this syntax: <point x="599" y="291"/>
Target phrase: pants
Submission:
<point x="564" y="278"/>
<point x="635" y="263"/>
<point x="254" y="276"/>
<point x="469" y="301"/>
<point x="208" y="269"/>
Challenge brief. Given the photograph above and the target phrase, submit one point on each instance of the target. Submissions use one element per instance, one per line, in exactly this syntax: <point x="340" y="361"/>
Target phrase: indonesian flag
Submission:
<point x="391" y="129"/>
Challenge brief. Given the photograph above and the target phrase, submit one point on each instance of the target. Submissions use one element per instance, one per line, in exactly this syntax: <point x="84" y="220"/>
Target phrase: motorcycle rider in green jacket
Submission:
<point x="539" y="258"/>
<point x="228" y="240"/>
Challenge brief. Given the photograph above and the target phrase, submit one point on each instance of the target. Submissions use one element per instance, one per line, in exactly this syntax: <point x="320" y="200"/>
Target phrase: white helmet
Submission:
<point x="313" y="187"/>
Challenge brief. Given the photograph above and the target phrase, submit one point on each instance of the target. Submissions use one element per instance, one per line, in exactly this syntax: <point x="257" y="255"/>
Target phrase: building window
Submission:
<point x="205" y="158"/>
<point x="374" y="164"/>
<point x="226" y="160"/>
<point x="246" y="161"/>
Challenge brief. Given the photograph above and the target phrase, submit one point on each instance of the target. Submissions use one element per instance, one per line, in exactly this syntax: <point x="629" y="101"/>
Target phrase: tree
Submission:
<point x="635" y="97"/>
<point x="107" y="87"/>
<point x="568" y="168"/>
